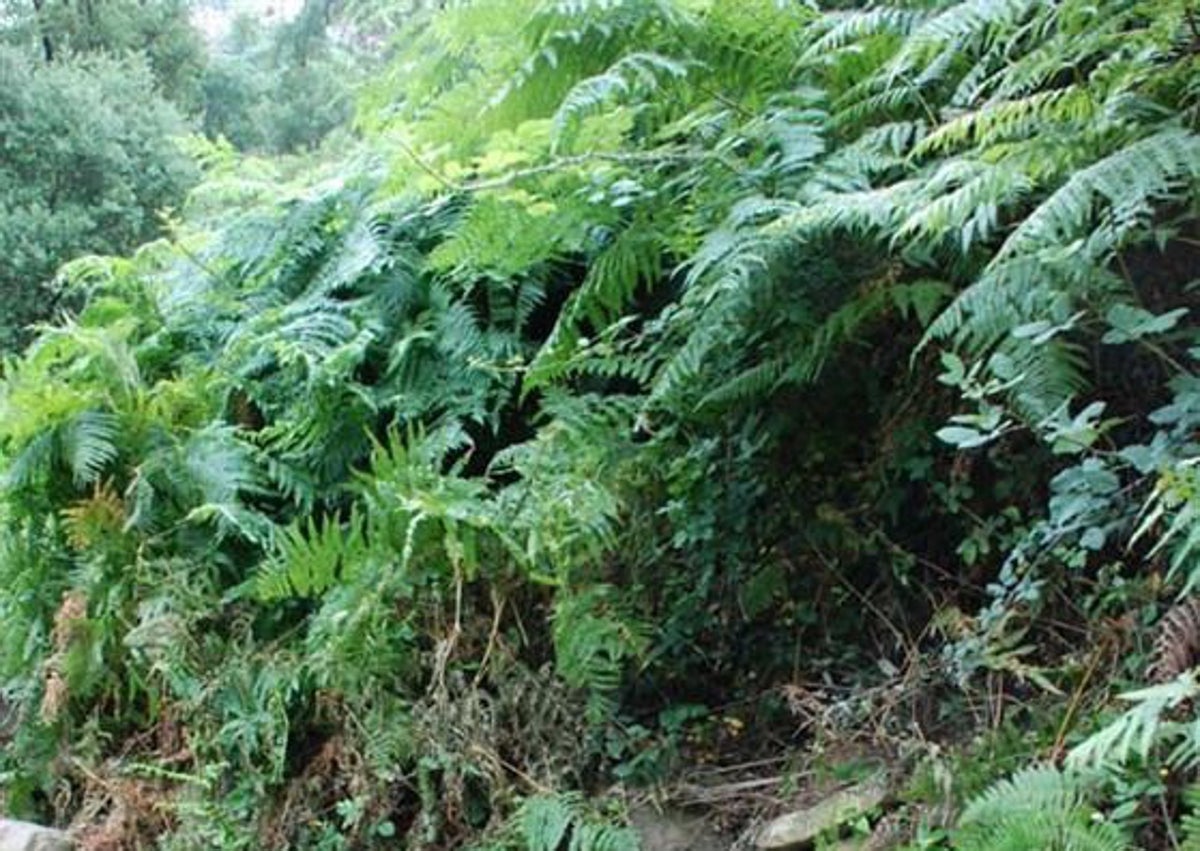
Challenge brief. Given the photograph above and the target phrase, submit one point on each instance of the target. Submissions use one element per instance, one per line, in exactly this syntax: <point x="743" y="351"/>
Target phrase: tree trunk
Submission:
<point x="47" y="44"/>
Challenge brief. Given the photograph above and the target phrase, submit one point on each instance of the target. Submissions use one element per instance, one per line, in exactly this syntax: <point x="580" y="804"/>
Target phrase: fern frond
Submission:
<point x="311" y="558"/>
<point x="546" y="821"/>
<point x="637" y="73"/>
<point x="1139" y="730"/>
<point x="963" y="202"/>
<point x="1003" y="121"/>
<point x="1130" y="180"/>
<point x="839" y="29"/>
<point x="1039" y="807"/>
<point x="89" y="445"/>
<point x="594" y="639"/>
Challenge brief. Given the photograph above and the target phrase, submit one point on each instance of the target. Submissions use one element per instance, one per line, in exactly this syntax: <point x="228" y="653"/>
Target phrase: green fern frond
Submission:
<point x="89" y="445"/>
<point x="1003" y="121"/>
<point x="963" y="203"/>
<point x="562" y="822"/>
<point x="637" y="73"/>
<point x="1021" y="290"/>
<point x="1037" y="807"/>
<point x="963" y="27"/>
<point x="594" y="640"/>
<point x="839" y="29"/>
<point x="633" y="260"/>
<point x="1189" y="822"/>
<point x="311" y="557"/>
<point x="546" y="821"/>
<point x="1130" y="180"/>
<point x="1140" y="729"/>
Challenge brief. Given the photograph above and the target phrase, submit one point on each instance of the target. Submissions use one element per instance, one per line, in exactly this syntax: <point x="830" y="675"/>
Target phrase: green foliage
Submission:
<point x="1036" y="808"/>
<point x="158" y="31"/>
<point x="279" y="90"/>
<point x="597" y="382"/>
<point x="89" y="162"/>
<point x="550" y="823"/>
<point x="1145" y="729"/>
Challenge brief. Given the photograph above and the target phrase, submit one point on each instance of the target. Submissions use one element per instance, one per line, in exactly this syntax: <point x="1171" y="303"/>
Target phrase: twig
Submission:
<point x="498" y="613"/>
<point x="652" y="157"/>
<point x="1162" y="800"/>
<point x="494" y="757"/>
<point x="425" y="167"/>
<point x="863" y="598"/>
<point x="725" y="99"/>
<point x="1073" y="706"/>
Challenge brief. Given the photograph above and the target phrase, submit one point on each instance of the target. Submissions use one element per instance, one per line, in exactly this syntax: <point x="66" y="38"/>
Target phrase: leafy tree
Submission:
<point x="280" y="89"/>
<point x="160" y="31"/>
<point x="89" y="161"/>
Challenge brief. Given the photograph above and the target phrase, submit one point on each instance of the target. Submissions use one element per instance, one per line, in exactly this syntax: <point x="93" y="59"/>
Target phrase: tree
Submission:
<point x="280" y="89"/>
<point x="158" y="30"/>
<point x="87" y="160"/>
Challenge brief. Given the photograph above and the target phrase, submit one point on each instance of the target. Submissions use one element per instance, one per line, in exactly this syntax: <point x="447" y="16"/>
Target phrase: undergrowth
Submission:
<point x="656" y="387"/>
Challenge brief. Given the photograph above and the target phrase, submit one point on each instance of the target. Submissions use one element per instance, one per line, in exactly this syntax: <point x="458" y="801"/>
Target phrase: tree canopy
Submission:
<point x="89" y="159"/>
<point x="281" y="89"/>
<point x="158" y="31"/>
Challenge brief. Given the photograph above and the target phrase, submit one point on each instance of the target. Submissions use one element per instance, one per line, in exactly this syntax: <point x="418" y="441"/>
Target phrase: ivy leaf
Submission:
<point x="1044" y="330"/>
<point x="1093" y="539"/>
<point x="1145" y="459"/>
<point x="1128" y="323"/>
<point x="1069" y="435"/>
<point x="955" y="371"/>
<point x="962" y="437"/>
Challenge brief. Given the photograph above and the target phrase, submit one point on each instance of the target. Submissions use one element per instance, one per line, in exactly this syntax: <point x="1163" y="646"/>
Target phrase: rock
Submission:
<point x="22" y="836"/>
<point x="671" y="831"/>
<point x="801" y="828"/>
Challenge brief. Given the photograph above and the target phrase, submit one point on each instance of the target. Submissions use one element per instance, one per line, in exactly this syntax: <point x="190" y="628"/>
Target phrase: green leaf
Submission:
<point x="962" y="437"/>
<point x="1128" y="323"/>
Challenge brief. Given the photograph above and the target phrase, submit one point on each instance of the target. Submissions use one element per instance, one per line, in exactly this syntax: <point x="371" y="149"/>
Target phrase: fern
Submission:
<point x="964" y="204"/>
<point x="593" y="643"/>
<point x="552" y="823"/>
<point x="1036" y="808"/>
<point x="965" y="26"/>
<point x="840" y="29"/>
<point x="997" y="122"/>
<point x="89" y="444"/>
<point x="546" y="822"/>
<point x="633" y="73"/>
<point x="526" y="372"/>
<point x="1143" y="728"/>
<point x="1130" y="180"/>
<point x="312" y="558"/>
<point x="1189" y="822"/>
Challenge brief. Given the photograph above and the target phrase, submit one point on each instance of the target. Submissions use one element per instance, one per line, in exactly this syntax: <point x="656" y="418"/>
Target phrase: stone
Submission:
<point x="799" y="829"/>
<point x="23" y="836"/>
<point x="671" y="830"/>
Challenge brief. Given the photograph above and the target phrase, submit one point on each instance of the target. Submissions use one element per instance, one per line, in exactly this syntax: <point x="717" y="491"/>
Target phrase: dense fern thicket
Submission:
<point x="655" y="372"/>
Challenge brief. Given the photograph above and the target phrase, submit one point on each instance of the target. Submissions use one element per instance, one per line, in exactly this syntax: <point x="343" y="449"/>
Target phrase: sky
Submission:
<point x="214" y="18"/>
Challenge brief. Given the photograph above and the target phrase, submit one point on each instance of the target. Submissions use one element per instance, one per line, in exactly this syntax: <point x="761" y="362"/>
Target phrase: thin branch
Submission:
<point x="425" y="166"/>
<point x="677" y="155"/>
